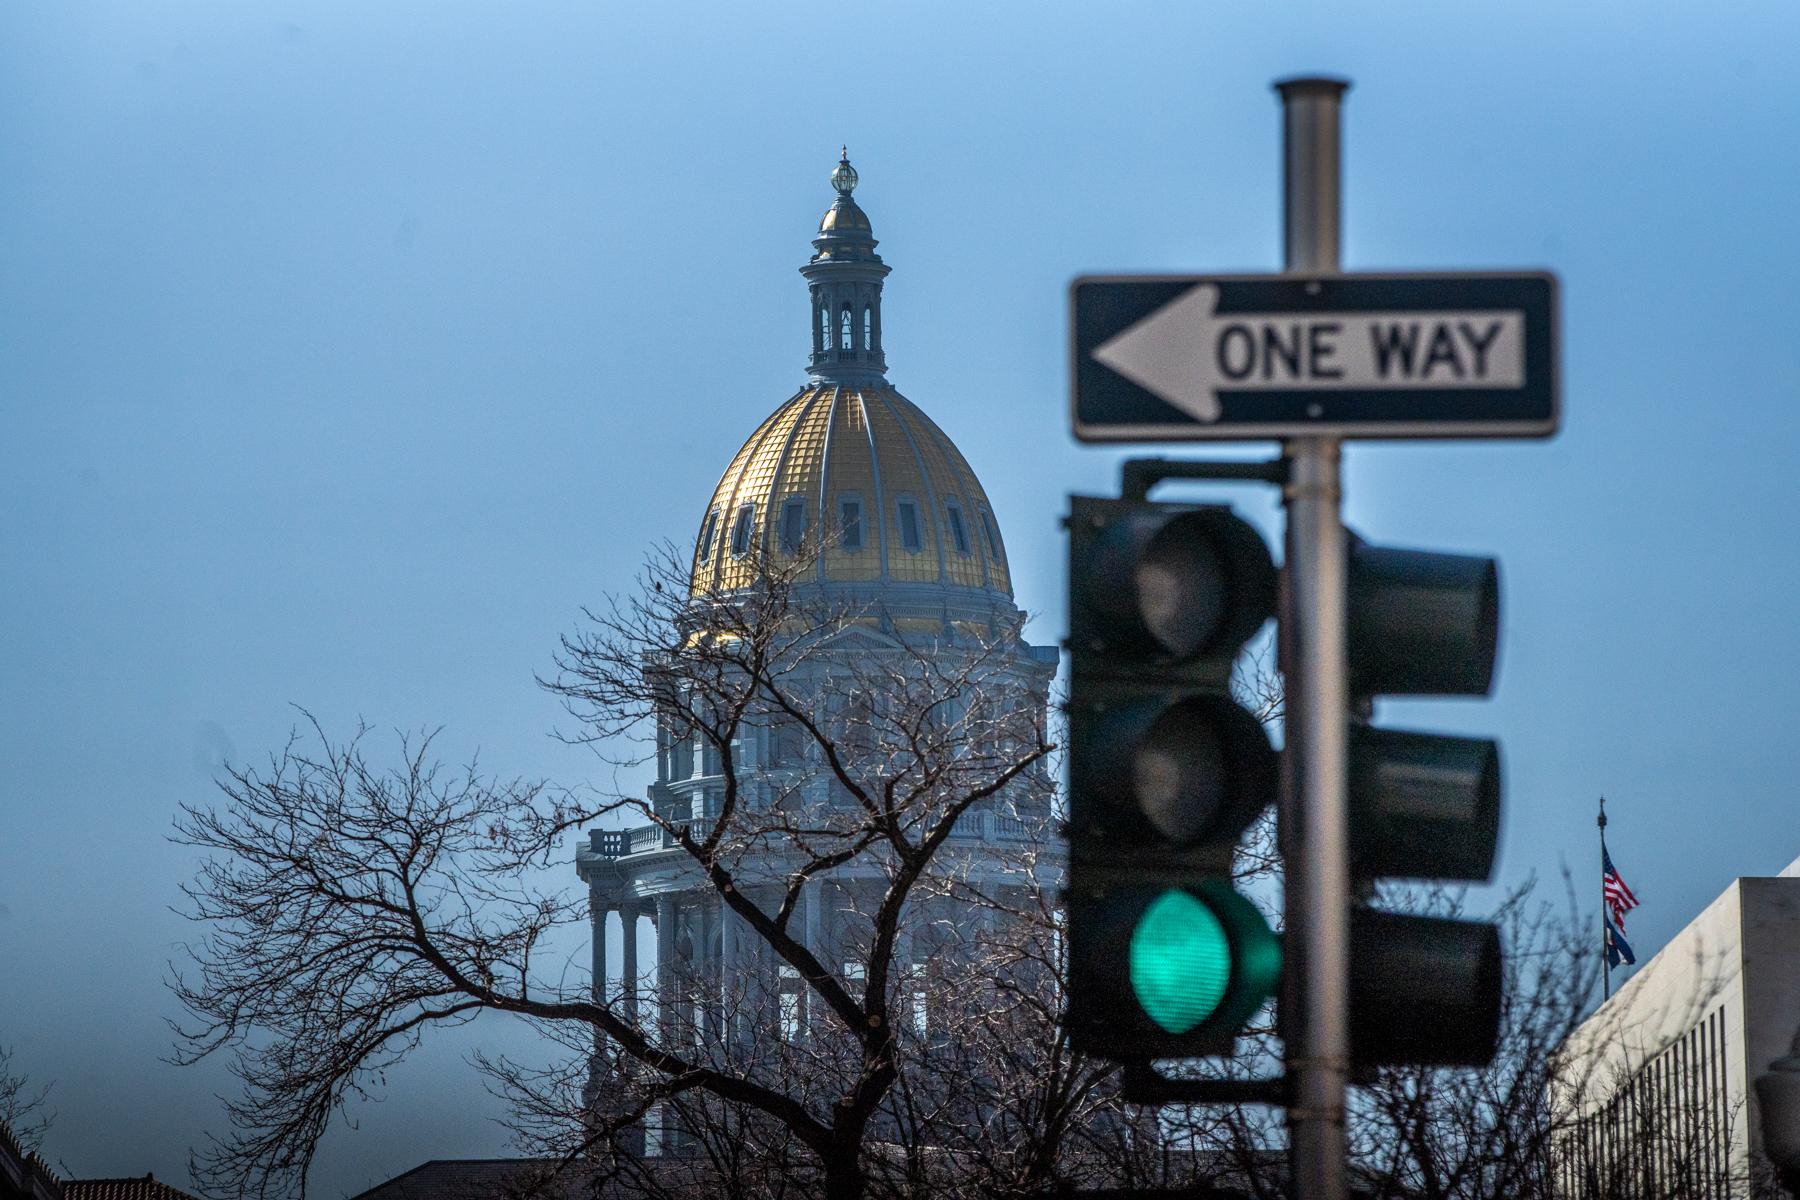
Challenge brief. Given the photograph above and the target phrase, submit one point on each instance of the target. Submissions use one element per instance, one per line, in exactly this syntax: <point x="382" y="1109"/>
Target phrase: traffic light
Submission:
<point x="1166" y="771"/>
<point x="1423" y="990"/>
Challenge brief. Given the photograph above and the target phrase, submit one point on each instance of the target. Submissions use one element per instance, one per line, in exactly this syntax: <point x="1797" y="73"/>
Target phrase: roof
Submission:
<point x="844" y="214"/>
<point x="868" y="466"/>
<point x="537" y="1179"/>
<point x="467" y="1179"/>
<point x="139" y="1187"/>
<point x="23" y="1173"/>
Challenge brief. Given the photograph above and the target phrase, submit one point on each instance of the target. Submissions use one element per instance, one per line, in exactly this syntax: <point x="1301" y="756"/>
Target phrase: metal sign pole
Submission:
<point x="1314" y="805"/>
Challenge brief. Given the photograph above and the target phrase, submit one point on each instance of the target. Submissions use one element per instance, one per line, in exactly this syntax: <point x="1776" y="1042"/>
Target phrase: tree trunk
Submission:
<point x="844" y="1178"/>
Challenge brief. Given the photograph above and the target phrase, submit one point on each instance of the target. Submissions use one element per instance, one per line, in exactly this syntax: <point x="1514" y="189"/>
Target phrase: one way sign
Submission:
<point x="1190" y="358"/>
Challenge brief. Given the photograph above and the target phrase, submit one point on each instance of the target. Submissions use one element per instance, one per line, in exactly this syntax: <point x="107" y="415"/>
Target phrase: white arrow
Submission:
<point x="1187" y="354"/>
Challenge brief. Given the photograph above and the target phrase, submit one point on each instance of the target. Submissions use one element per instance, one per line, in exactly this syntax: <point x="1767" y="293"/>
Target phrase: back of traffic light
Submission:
<point x="1166" y="771"/>
<point x="1423" y="990"/>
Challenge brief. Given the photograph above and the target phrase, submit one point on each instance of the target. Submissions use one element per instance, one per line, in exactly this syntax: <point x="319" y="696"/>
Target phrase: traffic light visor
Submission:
<point x="1423" y="989"/>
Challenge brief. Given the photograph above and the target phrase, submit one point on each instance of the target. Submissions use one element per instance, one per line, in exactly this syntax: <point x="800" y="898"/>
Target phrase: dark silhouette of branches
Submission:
<point x="350" y="908"/>
<point x="24" y="1109"/>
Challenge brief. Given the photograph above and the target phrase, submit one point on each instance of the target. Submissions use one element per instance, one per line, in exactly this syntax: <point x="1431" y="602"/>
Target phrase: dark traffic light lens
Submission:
<point x="1173" y="583"/>
<point x="1178" y="772"/>
<point x="1172" y="769"/>
<point x="1182" y="590"/>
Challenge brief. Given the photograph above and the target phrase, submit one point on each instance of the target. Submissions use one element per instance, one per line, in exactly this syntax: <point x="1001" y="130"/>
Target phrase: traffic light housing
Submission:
<point x="1423" y="990"/>
<point x="1165" y="958"/>
<point x="1166" y="771"/>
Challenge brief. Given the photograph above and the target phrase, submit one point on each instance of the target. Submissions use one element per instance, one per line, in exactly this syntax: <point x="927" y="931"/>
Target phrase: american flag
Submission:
<point x="1619" y="899"/>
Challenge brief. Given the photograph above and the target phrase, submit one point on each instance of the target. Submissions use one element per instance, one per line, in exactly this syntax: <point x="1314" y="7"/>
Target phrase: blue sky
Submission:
<point x="346" y="350"/>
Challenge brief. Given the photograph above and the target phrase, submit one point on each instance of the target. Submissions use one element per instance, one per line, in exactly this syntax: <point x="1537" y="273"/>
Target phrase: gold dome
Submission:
<point x="864" y="465"/>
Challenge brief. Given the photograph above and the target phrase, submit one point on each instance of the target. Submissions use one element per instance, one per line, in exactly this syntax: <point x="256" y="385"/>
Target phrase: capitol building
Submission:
<point x="897" y="623"/>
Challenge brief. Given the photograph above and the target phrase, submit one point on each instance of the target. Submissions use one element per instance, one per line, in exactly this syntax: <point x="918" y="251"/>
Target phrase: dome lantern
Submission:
<point x="843" y="177"/>
<point x="844" y="277"/>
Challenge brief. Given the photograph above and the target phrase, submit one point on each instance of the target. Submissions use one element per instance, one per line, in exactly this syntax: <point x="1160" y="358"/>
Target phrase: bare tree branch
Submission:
<point x="23" y="1109"/>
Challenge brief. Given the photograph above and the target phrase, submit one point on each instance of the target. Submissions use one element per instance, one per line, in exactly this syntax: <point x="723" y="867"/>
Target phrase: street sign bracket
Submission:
<point x="1142" y="1083"/>
<point x="1138" y="475"/>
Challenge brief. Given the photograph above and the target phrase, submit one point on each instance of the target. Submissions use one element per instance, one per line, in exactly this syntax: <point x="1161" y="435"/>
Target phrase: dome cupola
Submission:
<point x="845" y="277"/>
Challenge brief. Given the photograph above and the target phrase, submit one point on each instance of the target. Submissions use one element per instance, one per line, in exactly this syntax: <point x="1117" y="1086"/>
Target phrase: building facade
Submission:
<point x="893" y="548"/>
<point x="1653" y="1094"/>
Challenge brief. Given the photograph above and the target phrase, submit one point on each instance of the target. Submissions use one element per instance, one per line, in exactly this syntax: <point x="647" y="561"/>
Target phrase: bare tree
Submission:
<point x="350" y="909"/>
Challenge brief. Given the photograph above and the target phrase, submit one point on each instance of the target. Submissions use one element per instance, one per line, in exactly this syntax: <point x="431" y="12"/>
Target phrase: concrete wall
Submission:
<point x="1695" y="1025"/>
<point x="1771" y="972"/>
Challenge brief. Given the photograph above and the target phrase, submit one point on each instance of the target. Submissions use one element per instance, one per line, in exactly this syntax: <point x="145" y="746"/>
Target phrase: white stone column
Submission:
<point x="628" y="965"/>
<point x="665" y="964"/>
<point x="730" y="993"/>
<point x="987" y="917"/>
<point x="591" y="1093"/>
<point x="598" y="908"/>
<point x="809" y="933"/>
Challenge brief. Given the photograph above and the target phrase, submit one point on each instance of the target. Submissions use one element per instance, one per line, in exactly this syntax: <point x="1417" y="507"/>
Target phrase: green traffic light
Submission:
<point x="1180" y="961"/>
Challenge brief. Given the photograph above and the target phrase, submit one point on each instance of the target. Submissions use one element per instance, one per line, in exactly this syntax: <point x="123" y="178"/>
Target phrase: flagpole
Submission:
<point x="1605" y="928"/>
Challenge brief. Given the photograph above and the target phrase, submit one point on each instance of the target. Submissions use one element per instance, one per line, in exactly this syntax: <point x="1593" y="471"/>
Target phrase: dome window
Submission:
<point x="824" y="328"/>
<point x="844" y="330"/>
<point x="993" y="534"/>
<point x="793" y="525"/>
<point x="707" y="528"/>
<point x="868" y="327"/>
<point x="740" y="531"/>
<point x="850" y="531"/>
<point x="959" y="533"/>
<point x="907" y="510"/>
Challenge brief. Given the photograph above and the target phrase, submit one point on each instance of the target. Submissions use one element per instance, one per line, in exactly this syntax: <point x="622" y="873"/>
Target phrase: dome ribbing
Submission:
<point x="869" y="472"/>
